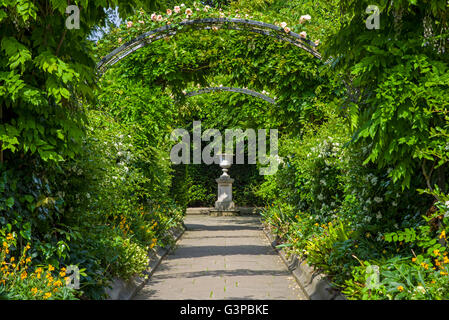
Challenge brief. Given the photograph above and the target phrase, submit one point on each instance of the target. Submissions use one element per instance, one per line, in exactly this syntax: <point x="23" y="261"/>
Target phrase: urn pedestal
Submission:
<point x="224" y="206"/>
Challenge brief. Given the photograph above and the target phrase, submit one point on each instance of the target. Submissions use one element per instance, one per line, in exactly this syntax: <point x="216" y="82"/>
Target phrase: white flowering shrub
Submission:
<point x="373" y="202"/>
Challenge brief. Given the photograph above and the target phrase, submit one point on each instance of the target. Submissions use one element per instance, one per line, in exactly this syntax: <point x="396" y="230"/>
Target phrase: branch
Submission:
<point x="427" y="176"/>
<point x="60" y="42"/>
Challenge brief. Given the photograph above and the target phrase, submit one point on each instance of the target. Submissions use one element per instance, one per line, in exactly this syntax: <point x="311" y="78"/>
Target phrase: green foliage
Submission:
<point x="89" y="182"/>
<point x="321" y="250"/>
<point x="398" y="81"/>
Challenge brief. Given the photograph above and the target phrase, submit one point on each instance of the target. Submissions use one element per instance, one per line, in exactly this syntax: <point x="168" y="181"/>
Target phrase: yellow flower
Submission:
<point x="50" y="267"/>
<point x="62" y="274"/>
<point x="413" y="259"/>
<point x="443" y="273"/>
<point x="57" y="283"/>
<point x="443" y="234"/>
<point x="436" y="252"/>
<point x="401" y="288"/>
<point x="446" y="259"/>
<point x="34" y="291"/>
<point x="9" y="236"/>
<point x="28" y="260"/>
<point x="47" y="295"/>
<point x="23" y="275"/>
<point x="425" y="265"/>
<point x="12" y="259"/>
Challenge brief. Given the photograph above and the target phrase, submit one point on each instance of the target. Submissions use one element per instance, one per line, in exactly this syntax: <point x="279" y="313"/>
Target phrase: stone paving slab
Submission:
<point x="222" y="258"/>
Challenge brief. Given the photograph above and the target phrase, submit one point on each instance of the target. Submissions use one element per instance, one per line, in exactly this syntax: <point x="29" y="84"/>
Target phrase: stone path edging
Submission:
<point x="126" y="290"/>
<point x="314" y="285"/>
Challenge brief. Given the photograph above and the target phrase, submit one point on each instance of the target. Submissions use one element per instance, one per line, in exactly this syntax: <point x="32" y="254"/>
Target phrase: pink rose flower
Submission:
<point x="189" y="12"/>
<point x="169" y="12"/>
<point x="129" y="24"/>
<point x="153" y="17"/>
<point x="303" y="34"/>
<point x="283" y="24"/>
<point x="177" y="9"/>
<point x="287" y="30"/>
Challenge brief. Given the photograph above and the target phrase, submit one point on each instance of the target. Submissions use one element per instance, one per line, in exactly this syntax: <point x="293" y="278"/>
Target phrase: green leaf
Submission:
<point x="10" y="202"/>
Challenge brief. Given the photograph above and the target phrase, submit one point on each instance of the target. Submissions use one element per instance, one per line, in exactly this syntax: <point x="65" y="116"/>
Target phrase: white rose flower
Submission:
<point x="304" y="18"/>
<point x="303" y="34"/>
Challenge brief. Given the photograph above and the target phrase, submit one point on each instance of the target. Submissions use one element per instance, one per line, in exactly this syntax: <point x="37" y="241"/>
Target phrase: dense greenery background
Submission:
<point x="86" y="178"/>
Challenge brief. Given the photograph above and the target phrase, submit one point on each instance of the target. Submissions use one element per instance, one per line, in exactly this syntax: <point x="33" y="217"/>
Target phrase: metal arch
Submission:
<point x="232" y="89"/>
<point x="207" y="23"/>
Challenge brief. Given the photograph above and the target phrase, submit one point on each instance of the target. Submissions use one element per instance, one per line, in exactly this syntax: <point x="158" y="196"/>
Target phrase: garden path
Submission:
<point x="222" y="258"/>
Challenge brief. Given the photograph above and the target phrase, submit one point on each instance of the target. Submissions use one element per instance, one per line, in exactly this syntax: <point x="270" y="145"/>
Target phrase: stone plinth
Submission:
<point x="224" y="206"/>
<point x="224" y="201"/>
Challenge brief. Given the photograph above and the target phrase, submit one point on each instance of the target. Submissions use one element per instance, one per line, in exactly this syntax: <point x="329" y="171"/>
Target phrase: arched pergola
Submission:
<point x="205" y="24"/>
<point x="232" y="89"/>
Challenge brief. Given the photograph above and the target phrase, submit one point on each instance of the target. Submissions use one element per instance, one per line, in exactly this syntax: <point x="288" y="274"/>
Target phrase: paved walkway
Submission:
<point x="222" y="258"/>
